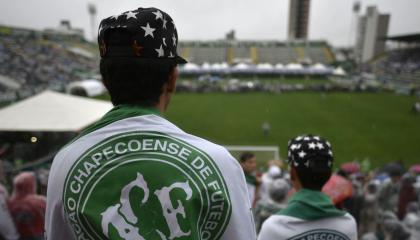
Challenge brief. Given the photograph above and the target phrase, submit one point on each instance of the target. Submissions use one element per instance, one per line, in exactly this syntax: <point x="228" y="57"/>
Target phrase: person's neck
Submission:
<point x="163" y="103"/>
<point x="161" y="107"/>
<point x="296" y="185"/>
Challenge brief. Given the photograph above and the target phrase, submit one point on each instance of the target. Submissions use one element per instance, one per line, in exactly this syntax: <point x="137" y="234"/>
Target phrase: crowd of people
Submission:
<point x="400" y="66"/>
<point x="384" y="203"/>
<point x="23" y="212"/>
<point x="36" y="63"/>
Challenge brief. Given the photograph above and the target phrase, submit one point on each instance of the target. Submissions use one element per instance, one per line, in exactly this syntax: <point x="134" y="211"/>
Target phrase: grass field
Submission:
<point x="378" y="127"/>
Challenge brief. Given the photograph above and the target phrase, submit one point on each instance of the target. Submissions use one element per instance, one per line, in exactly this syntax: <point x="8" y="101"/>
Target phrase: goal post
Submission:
<point x="262" y="153"/>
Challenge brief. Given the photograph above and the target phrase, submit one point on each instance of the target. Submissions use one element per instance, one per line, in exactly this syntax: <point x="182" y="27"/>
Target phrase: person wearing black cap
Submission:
<point x="133" y="174"/>
<point x="310" y="214"/>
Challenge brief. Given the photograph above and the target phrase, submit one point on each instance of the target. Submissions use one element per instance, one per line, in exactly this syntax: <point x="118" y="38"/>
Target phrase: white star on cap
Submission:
<point x="329" y="163"/>
<point x="173" y="24"/>
<point x="174" y="39"/>
<point x="320" y="146"/>
<point x="307" y="163"/>
<point x="158" y="15"/>
<point x="114" y="17"/>
<point x="171" y="55"/>
<point x="131" y="15"/>
<point x="330" y="153"/>
<point x="302" y="154"/>
<point x="311" y="145"/>
<point x="328" y="143"/>
<point x="295" y="163"/>
<point x="148" y="30"/>
<point x="164" y="41"/>
<point x="298" y="138"/>
<point x="164" y="23"/>
<point x="317" y="138"/>
<point x="295" y="146"/>
<point x="101" y="27"/>
<point x="160" y="51"/>
<point x="306" y="138"/>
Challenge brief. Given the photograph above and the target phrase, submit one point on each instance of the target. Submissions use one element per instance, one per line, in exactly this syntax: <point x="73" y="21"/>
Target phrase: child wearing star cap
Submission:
<point x="310" y="214"/>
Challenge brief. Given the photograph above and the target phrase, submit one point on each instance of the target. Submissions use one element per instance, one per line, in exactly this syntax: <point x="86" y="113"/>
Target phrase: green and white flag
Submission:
<point x="309" y="215"/>
<point x="134" y="175"/>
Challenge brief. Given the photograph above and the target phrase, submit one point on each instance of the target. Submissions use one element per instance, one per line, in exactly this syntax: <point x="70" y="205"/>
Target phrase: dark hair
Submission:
<point x="133" y="80"/>
<point x="245" y="156"/>
<point x="315" y="177"/>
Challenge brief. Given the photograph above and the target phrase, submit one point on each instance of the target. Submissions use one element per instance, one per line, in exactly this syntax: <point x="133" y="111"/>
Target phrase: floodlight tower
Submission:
<point x="92" y="13"/>
<point x="354" y="19"/>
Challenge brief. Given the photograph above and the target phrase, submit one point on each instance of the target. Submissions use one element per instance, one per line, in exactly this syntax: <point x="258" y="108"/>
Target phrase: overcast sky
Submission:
<point x="212" y="19"/>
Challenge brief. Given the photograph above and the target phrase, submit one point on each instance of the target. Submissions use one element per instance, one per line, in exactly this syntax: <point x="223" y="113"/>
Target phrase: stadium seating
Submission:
<point x="400" y="66"/>
<point x="36" y="63"/>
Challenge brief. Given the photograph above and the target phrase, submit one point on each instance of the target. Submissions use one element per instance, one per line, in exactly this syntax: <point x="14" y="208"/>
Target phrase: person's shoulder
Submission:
<point x="278" y="221"/>
<point x="202" y="144"/>
<point x="274" y="227"/>
<point x="350" y="222"/>
<point x="346" y="225"/>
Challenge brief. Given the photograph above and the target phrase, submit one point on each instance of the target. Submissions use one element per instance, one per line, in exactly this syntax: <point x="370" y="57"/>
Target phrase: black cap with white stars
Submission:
<point x="310" y="152"/>
<point x="152" y="34"/>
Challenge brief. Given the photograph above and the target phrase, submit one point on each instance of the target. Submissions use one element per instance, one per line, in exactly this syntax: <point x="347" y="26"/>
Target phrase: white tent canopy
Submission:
<point x="191" y="66"/>
<point x="92" y="87"/>
<point x="339" y="71"/>
<point x="319" y="66"/>
<point x="264" y="66"/>
<point x="52" y="112"/>
<point x="294" y="66"/>
<point x="241" y="66"/>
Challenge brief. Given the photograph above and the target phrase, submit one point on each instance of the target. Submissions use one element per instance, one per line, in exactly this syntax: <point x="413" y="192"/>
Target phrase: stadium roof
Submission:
<point x="52" y="112"/>
<point x="415" y="37"/>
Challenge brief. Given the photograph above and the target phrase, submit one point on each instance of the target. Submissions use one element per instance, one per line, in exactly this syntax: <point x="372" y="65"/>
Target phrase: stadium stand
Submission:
<point x="35" y="61"/>
<point x="272" y="52"/>
<point x="32" y="61"/>
<point x="401" y="65"/>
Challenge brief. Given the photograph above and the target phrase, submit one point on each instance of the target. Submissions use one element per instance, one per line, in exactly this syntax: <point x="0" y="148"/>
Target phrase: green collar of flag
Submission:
<point x="251" y="179"/>
<point x="118" y="113"/>
<point x="310" y="205"/>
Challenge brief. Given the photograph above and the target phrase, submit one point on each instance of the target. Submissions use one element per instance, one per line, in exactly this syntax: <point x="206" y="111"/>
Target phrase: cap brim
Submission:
<point x="180" y="60"/>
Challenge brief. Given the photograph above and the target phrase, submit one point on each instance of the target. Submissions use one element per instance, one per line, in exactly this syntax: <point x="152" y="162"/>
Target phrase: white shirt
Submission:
<point x="143" y="178"/>
<point x="7" y="227"/>
<point x="278" y="227"/>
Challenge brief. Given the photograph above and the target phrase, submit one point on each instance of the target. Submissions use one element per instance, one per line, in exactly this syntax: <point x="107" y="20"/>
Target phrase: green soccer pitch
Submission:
<point x="379" y="127"/>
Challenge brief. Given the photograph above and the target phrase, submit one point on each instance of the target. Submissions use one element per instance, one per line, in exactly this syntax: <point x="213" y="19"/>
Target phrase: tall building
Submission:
<point x="371" y="34"/>
<point x="299" y="19"/>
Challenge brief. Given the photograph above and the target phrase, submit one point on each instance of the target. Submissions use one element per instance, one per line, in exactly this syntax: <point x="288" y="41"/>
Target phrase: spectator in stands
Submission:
<point x="394" y="229"/>
<point x="406" y="196"/>
<point x="274" y="172"/>
<point x="369" y="209"/>
<point x="388" y="195"/>
<point x="276" y="201"/>
<point x="413" y="216"/>
<point x="309" y="213"/>
<point x="27" y="208"/>
<point x="7" y="227"/>
<point x="415" y="231"/>
<point x="190" y="188"/>
<point x="248" y="162"/>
